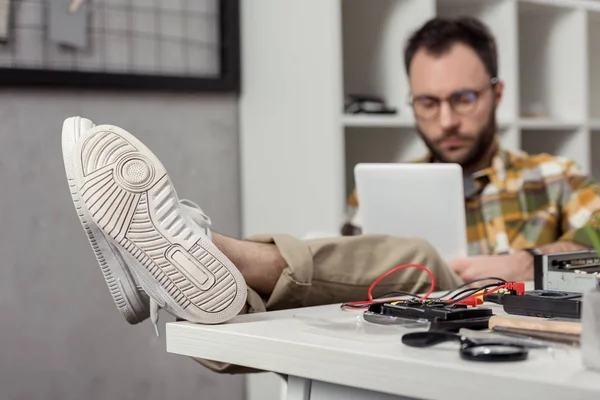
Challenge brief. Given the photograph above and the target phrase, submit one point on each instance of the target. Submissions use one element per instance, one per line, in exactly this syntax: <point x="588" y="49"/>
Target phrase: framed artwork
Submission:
<point x="174" y="45"/>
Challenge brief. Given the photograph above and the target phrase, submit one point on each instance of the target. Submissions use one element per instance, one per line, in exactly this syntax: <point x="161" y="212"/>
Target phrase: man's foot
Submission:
<point x="129" y="195"/>
<point x="132" y="302"/>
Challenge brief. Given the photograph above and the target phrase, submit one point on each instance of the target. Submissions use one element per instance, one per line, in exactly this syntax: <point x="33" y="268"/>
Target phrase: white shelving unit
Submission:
<point x="300" y="57"/>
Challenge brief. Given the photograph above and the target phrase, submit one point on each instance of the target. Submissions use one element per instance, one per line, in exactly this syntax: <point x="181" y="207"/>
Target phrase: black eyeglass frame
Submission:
<point x="476" y="93"/>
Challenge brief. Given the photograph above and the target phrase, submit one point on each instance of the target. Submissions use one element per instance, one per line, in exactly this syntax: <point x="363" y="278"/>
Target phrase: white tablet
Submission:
<point x="414" y="200"/>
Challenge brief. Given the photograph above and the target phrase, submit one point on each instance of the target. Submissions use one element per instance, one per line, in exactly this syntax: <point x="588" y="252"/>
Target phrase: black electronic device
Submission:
<point x="440" y="315"/>
<point x="571" y="271"/>
<point x="540" y="303"/>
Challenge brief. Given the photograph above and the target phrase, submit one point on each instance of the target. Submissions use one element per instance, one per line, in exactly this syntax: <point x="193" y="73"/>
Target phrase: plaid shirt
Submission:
<point x="521" y="201"/>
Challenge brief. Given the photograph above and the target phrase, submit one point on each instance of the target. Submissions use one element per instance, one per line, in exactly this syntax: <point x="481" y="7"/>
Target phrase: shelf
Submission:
<point x="373" y="34"/>
<point x="376" y="121"/>
<point x="541" y="124"/>
<point x="552" y="58"/>
<point x="392" y="121"/>
<point x="553" y="143"/>
<point x="382" y="145"/>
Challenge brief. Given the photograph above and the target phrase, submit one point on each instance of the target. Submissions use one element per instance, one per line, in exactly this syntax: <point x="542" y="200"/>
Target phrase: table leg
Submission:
<point x="298" y="388"/>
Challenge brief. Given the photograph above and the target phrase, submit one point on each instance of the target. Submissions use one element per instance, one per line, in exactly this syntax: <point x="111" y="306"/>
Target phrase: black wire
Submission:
<point x="475" y="290"/>
<point x="489" y="278"/>
<point x="396" y="294"/>
<point x="401" y="293"/>
<point x="468" y="290"/>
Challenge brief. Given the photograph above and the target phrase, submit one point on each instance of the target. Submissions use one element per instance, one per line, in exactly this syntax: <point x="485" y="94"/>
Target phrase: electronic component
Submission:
<point x="440" y="314"/>
<point x="572" y="271"/>
<point x="539" y="303"/>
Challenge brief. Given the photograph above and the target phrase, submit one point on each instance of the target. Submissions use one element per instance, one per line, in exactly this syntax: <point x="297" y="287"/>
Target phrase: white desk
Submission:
<point x="333" y="360"/>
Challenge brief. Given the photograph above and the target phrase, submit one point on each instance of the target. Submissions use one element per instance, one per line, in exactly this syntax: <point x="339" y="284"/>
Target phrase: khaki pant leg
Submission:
<point x="341" y="269"/>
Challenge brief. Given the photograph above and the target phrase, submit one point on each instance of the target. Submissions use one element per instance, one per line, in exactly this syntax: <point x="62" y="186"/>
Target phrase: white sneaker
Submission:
<point x="129" y="195"/>
<point x="133" y="303"/>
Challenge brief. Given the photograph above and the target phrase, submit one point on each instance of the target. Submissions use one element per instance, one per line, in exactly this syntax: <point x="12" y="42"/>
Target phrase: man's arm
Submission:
<point x="579" y="208"/>
<point x="580" y="211"/>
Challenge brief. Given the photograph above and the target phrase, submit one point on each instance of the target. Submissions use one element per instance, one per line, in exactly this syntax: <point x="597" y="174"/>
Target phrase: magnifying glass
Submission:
<point x="480" y="350"/>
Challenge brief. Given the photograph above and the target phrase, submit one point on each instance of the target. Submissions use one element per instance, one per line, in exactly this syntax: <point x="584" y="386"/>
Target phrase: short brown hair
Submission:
<point x="439" y="34"/>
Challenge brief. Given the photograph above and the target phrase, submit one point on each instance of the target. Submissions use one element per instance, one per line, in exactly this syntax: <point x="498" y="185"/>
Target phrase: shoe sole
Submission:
<point x="133" y="304"/>
<point x="129" y="195"/>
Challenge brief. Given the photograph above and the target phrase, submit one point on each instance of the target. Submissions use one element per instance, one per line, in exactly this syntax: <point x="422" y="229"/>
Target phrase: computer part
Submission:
<point x="539" y="303"/>
<point x="428" y="314"/>
<point x="571" y="271"/>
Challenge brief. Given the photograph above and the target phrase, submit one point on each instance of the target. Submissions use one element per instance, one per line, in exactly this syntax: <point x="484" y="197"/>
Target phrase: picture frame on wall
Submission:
<point x="172" y="45"/>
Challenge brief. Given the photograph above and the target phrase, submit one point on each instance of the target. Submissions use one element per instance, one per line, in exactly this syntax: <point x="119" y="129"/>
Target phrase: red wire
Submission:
<point x="382" y="277"/>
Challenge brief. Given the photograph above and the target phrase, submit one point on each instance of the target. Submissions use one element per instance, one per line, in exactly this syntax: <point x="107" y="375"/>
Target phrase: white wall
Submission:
<point x="61" y="337"/>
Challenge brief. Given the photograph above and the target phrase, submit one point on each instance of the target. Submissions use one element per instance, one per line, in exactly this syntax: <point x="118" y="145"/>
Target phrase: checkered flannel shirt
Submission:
<point x="521" y="201"/>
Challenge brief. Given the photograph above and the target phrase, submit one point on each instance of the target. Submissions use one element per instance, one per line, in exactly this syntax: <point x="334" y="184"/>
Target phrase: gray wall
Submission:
<point x="61" y="337"/>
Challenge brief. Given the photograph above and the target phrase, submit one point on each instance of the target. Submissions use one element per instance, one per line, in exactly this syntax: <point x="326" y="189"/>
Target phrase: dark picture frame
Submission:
<point x="229" y="79"/>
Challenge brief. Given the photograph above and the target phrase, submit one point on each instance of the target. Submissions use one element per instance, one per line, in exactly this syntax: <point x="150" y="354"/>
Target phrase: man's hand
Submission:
<point x="512" y="267"/>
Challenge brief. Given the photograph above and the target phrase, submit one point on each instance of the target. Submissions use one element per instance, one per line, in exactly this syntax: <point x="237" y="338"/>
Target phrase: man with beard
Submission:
<point x="516" y="204"/>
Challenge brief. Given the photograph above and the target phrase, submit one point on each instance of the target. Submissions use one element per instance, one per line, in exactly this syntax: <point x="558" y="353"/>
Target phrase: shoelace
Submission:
<point x="203" y="221"/>
<point x="154" y="309"/>
<point x="195" y="212"/>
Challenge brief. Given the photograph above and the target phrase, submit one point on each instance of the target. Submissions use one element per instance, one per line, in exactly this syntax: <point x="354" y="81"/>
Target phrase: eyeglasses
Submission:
<point x="462" y="102"/>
